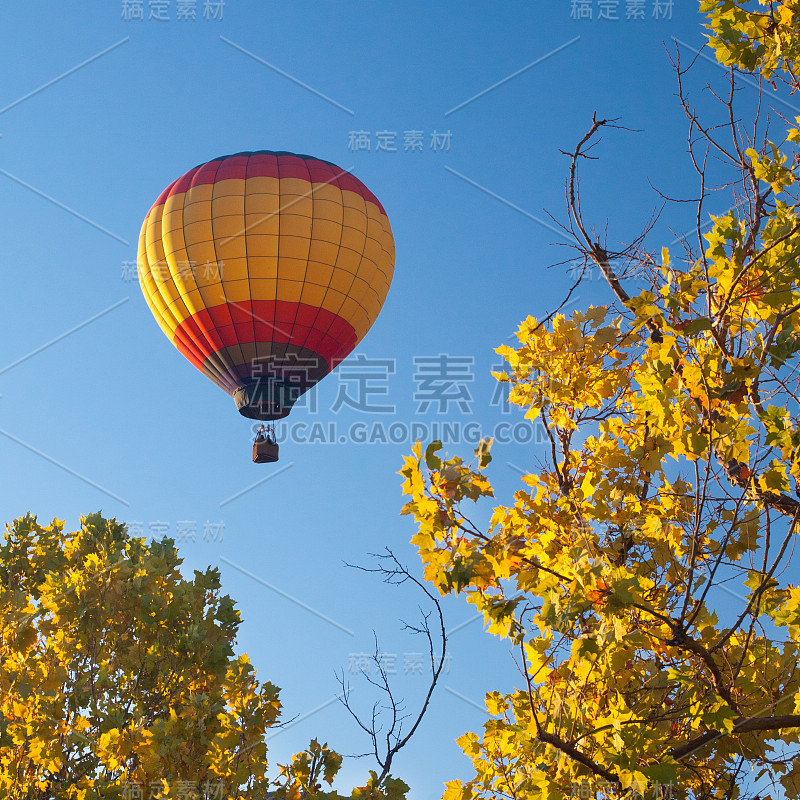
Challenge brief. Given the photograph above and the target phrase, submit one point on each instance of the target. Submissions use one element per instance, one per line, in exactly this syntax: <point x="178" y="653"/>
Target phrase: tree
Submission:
<point x="389" y="736"/>
<point x="670" y="484"/>
<point x="118" y="678"/>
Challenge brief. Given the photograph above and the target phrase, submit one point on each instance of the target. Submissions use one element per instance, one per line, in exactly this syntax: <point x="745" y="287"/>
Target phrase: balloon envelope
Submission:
<point x="265" y="270"/>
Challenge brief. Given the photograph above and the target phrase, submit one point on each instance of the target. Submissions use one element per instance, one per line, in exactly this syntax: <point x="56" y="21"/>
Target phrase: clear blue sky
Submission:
<point x="111" y="417"/>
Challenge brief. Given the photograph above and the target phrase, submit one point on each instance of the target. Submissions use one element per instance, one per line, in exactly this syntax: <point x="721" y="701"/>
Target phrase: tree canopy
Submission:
<point x="119" y="680"/>
<point x="642" y="573"/>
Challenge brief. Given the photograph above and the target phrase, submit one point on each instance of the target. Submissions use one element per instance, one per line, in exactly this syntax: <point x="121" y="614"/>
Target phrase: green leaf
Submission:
<point x="695" y="326"/>
<point x="431" y="459"/>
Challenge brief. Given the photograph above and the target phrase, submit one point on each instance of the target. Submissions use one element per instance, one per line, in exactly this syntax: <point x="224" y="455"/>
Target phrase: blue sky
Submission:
<point x="99" y="113"/>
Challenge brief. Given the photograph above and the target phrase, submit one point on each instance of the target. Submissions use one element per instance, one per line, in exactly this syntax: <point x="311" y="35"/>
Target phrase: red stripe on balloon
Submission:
<point x="268" y="164"/>
<point x="279" y="321"/>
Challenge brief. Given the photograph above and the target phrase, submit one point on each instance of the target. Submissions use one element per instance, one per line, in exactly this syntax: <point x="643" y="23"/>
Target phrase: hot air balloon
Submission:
<point x="265" y="270"/>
